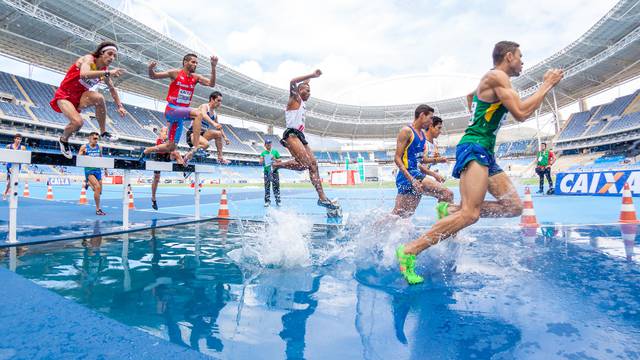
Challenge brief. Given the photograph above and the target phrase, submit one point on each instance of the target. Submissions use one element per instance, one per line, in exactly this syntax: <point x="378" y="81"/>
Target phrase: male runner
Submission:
<point x="210" y="129"/>
<point x="160" y="156"/>
<point x="545" y="158"/>
<point x="294" y="140"/>
<point x="15" y="145"/>
<point x="183" y="83"/>
<point x="76" y="92"/>
<point x="415" y="152"/>
<point x="93" y="176"/>
<point x="271" y="177"/>
<point x="475" y="160"/>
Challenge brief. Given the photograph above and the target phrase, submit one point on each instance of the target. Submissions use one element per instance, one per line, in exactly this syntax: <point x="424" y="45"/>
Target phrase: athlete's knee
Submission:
<point x="76" y="120"/>
<point x="97" y="99"/>
<point x="469" y="216"/>
<point x="514" y="207"/>
<point x="446" y="195"/>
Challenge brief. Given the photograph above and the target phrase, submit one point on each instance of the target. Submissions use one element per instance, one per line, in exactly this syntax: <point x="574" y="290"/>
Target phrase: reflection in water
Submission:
<point x="500" y="294"/>
<point x="294" y="323"/>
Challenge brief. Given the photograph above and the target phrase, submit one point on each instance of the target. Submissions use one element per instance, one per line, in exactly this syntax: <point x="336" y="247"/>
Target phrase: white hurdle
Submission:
<point x="32" y="157"/>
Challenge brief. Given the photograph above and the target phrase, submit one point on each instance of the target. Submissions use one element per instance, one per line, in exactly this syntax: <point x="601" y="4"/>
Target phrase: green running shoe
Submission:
<point x="408" y="266"/>
<point x="442" y="208"/>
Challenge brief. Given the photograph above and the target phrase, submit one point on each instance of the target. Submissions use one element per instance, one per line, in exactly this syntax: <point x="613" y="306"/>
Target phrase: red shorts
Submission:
<point x="60" y="94"/>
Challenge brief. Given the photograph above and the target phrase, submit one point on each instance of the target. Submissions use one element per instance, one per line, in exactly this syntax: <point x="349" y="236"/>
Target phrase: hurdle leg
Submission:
<point x="125" y="200"/>
<point x="13" y="205"/>
<point x="196" y="195"/>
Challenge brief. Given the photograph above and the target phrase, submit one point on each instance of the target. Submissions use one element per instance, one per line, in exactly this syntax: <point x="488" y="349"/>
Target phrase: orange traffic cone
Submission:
<point x="49" y="192"/>
<point x="25" y="192"/>
<point x="528" y="218"/>
<point x="83" y="195"/>
<point x="628" y="211"/>
<point x="131" y="205"/>
<point x="223" y="211"/>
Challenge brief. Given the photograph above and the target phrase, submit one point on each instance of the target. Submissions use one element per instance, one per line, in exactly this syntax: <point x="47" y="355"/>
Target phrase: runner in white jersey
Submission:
<point x="294" y="140"/>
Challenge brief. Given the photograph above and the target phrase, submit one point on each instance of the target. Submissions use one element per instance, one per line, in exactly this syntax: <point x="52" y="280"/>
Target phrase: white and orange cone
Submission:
<point x="131" y="205"/>
<point x="49" y="192"/>
<point x="83" y="195"/>
<point x="528" y="218"/>
<point x="628" y="211"/>
<point x="223" y="210"/>
<point x="25" y="192"/>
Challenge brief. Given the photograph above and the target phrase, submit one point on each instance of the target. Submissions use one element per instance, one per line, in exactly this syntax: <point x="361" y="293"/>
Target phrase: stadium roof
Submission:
<point x="53" y="33"/>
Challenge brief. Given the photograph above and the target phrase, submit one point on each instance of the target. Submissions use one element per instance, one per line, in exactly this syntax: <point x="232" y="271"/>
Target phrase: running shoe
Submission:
<point x="331" y="205"/>
<point x="154" y="205"/>
<point x="442" y="209"/>
<point x="267" y="204"/>
<point x="100" y="212"/>
<point x="407" y="264"/>
<point x="109" y="136"/>
<point x="65" y="148"/>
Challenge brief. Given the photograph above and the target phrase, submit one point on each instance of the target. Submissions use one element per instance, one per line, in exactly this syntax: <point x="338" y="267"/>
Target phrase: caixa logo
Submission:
<point x="597" y="183"/>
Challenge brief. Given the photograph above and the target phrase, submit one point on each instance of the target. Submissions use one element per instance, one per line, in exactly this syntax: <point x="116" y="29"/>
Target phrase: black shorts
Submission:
<point x="299" y="134"/>
<point x="189" y="133"/>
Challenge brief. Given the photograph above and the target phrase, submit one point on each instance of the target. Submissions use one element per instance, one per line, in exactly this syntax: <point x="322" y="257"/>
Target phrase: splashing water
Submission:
<point x="282" y="240"/>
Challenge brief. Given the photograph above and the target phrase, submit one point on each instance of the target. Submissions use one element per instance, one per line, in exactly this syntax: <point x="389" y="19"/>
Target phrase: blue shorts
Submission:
<point x="95" y="172"/>
<point x="176" y="116"/>
<point x="468" y="152"/>
<point x="404" y="186"/>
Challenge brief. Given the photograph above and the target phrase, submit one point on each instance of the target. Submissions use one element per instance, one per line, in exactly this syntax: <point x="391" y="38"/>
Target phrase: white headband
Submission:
<point x="108" y="47"/>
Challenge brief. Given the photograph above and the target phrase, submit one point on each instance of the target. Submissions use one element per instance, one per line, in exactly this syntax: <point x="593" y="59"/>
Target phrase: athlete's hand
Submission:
<point x="116" y="72"/>
<point x="439" y="178"/>
<point x="122" y="111"/>
<point x="218" y="126"/>
<point x="553" y="76"/>
<point x="441" y="159"/>
<point x="227" y="141"/>
<point x="317" y="73"/>
<point x="214" y="61"/>
<point x="152" y="65"/>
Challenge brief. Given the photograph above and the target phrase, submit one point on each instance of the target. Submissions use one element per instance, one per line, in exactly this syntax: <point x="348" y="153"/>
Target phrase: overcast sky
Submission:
<point x="372" y="52"/>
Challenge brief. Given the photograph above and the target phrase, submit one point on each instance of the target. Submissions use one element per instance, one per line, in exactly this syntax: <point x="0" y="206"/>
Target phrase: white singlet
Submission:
<point x="294" y="119"/>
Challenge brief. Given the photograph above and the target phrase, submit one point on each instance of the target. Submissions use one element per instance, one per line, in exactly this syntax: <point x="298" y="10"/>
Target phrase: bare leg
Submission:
<point x="75" y="120"/>
<point x="154" y="185"/>
<point x="96" y="99"/>
<point x="437" y="190"/>
<point x="167" y="147"/>
<point x="474" y="184"/>
<point x="304" y="159"/>
<point x="406" y="205"/>
<point x="96" y="186"/>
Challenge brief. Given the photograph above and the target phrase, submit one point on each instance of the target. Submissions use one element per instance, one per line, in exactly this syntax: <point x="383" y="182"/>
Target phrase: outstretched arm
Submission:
<point x="116" y="98"/>
<point x="211" y="81"/>
<point x="293" y="85"/>
<point x="522" y="109"/>
<point x="87" y="73"/>
<point x="153" y="74"/>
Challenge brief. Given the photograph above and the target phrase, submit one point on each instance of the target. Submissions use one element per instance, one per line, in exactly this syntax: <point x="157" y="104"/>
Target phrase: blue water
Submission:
<point x="289" y="288"/>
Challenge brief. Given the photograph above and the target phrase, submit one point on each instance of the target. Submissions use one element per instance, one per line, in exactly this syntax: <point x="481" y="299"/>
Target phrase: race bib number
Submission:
<point x="184" y="96"/>
<point x="473" y="112"/>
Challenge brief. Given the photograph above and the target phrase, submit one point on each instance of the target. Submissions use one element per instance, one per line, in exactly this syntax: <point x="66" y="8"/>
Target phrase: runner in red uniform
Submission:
<point x="76" y="92"/>
<point x="183" y="83"/>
